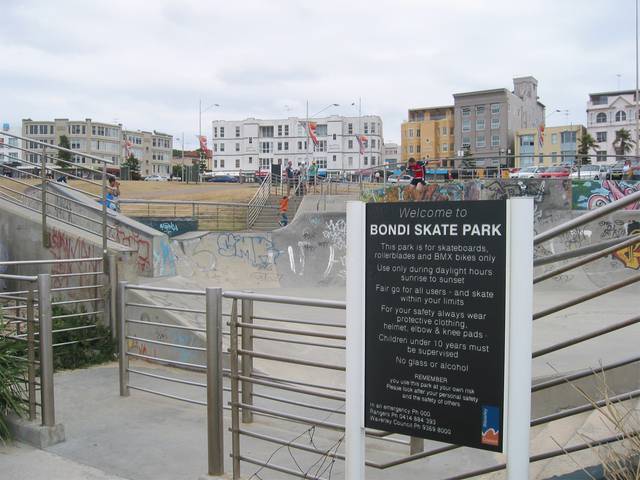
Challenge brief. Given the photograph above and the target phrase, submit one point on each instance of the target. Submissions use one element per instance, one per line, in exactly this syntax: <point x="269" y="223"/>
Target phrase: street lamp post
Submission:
<point x="200" y="112"/>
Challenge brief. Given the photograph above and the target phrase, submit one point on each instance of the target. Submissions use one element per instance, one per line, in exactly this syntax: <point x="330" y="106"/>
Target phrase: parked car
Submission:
<point x="591" y="172"/>
<point x="528" y="172"/>
<point x="617" y="171"/>
<point x="155" y="178"/>
<point x="400" y="179"/>
<point x="223" y="179"/>
<point x="555" y="172"/>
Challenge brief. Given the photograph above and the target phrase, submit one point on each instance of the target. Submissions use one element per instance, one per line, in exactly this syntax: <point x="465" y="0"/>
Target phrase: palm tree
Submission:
<point x="622" y="143"/>
<point x="586" y="144"/>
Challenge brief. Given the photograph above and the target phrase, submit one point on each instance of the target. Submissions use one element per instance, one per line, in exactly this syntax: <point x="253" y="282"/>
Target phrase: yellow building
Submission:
<point x="428" y="134"/>
<point x="547" y="146"/>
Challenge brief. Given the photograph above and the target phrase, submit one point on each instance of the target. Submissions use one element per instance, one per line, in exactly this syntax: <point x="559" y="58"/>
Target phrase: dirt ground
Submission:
<point x="213" y="192"/>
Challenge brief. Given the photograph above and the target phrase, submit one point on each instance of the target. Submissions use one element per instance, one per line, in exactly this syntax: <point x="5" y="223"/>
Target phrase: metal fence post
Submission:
<point x="247" y="360"/>
<point x="235" y="417"/>
<point x="215" y="426"/>
<point x="31" y="354"/>
<point x="111" y="299"/>
<point x="123" y="359"/>
<point x="46" y="351"/>
<point x="416" y="445"/>
<point x="104" y="211"/>
<point x="43" y="202"/>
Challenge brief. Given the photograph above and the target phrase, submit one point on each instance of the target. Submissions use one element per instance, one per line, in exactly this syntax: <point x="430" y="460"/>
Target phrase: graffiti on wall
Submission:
<point x="590" y="194"/>
<point x="171" y="227"/>
<point x="259" y="251"/>
<point x="136" y="242"/>
<point x="63" y="246"/>
<point x="630" y="256"/>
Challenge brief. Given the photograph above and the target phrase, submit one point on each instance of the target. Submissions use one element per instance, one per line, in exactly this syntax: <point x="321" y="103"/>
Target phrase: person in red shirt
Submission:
<point x="284" y="208"/>
<point x="416" y="189"/>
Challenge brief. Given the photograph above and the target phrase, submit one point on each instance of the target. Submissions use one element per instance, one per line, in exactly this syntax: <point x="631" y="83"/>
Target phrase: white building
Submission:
<point x="252" y="144"/>
<point x="8" y="146"/>
<point x="391" y="154"/>
<point x="606" y="113"/>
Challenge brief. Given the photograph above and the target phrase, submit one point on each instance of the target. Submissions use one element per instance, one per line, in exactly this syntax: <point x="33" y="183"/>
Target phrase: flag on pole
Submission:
<point x="311" y="128"/>
<point x="361" y="139"/>
<point x="127" y="147"/>
<point x="203" y="146"/>
<point x="541" y="136"/>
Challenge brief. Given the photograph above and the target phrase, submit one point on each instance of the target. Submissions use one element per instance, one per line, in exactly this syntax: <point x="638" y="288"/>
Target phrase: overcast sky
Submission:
<point x="146" y="64"/>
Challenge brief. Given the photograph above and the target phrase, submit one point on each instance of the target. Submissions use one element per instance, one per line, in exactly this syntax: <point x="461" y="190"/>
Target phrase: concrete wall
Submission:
<point x="21" y="239"/>
<point x="154" y="257"/>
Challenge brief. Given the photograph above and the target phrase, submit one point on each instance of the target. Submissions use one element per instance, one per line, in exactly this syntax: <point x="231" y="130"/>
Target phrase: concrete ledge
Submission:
<point x="226" y="476"/>
<point x="33" y="433"/>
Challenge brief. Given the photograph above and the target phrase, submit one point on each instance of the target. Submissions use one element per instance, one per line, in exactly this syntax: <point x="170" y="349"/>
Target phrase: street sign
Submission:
<point x="435" y="292"/>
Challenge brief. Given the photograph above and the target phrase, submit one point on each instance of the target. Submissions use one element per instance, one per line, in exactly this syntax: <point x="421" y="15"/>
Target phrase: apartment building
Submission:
<point x="9" y="147"/>
<point x="548" y="146"/>
<point x="152" y="149"/>
<point x="86" y="137"/>
<point x="608" y="112"/>
<point x="486" y="121"/>
<point x="391" y="154"/>
<point x="428" y="134"/>
<point x="343" y="143"/>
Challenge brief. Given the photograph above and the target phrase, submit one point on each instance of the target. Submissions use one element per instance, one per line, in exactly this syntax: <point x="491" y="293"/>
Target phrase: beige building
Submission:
<point x="99" y="139"/>
<point x="547" y="146"/>
<point x="152" y="149"/>
<point x="428" y="134"/>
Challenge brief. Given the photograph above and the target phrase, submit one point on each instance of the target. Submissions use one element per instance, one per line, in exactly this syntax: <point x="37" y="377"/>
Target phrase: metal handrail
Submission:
<point x="259" y="201"/>
<point x="53" y="261"/>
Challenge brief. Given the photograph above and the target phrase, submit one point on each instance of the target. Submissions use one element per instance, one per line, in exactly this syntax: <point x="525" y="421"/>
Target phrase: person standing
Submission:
<point x="289" y="175"/>
<point x="417" y="186"/>
<point x="283" y="209"/>
<point x="313" y="174"/>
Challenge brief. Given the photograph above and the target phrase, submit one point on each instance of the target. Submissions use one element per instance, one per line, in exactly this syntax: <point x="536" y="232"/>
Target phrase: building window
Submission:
<point x="265" y="162"/>
<point x="321" y="162"/>
<point x="237" y="147"/>
<point x="480" y="142"/>
<point x="321" y="146"/>
<point x="279" y="146"/>
<point x="417" y="132"/>
<point x="466" y="142"/>
<point x="526" y="140"/>
<point x="554" y="138"/>
<point x="410" y="148"/>
<point x="373" y="127"/>
<point x="250" y="160"/>
<point x="286" y="146"/>
<point x="466" y="111"/>
<point x="466" y="125"/>
<point x="417" y="148"/>
<point x="237" y="131"/>
<point x="554" y="157"/>
<point x="411" y="133"/>
<point x="237" y="163"/>
<point x="266" y="132"/>
<point x="221" y="136"/>
<point x="601" y="155"/>
<point x="286" y="130"/>
<point x="495" y="140"/>
<point x="621" y="116"/>
<point x="334" y="136"/>
<point x="299" y="145"/>
<point x="222" y="163"/>
<point x="540" y="159"/>
<point x="495" y="123"/>
<point x="480" y="124"/>
<point x="366" y="127"/>
<point x="601" y="137"/>
<point x="215" y="132"/>
<point x="444" y="147"/>
<point x="568" y="137"/>
<point x="335" y="158"/>
<point x="221" y="147"/>
<point x="250" y="139"/>
<point x="350" y="128"/>
<point x="279" y="130"/>
<point x="444" y="130"/>
<point x="366" y="160"/>
<point x="373" y="143"/>
<point x="266" y="147"/>
<point x="495" y="108"/>
<point x="350" y="144"/>
<point x="479" y="109"/>
<point x="350" y="161"/>
<point x="601" y="117"/>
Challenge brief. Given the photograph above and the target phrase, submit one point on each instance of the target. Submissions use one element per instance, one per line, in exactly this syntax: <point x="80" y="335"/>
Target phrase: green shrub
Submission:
<point x="13" y="372"/>
<point x="94" y="345"/>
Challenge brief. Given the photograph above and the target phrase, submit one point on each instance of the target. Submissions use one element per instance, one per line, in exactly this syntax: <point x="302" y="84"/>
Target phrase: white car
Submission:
<point x="400" y="179"/>
<point x="528" y="172"/>
<point x="155" y="178"/>
<point x="591" y="172"/>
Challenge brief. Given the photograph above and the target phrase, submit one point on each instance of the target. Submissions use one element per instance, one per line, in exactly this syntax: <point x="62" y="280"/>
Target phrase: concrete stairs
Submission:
<point x="269" y="218"/>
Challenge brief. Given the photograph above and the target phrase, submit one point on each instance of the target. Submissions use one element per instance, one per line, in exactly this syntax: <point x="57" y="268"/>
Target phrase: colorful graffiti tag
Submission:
<point x="590" y="194"/>
<point x="630" y="256"/>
